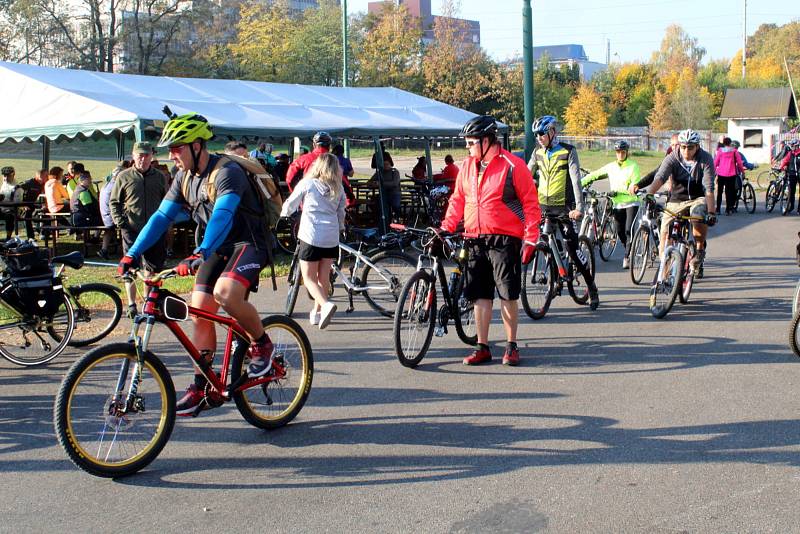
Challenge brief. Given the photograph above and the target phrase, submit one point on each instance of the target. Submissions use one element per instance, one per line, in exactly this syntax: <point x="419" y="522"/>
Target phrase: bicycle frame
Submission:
<point x="220" y="389"/>
<point x="679" y="238"/>
<point x="548" y="235"/>
<point x="348" y="280"/>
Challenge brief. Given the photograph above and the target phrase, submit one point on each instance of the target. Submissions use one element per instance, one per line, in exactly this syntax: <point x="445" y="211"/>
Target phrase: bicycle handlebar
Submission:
<point x="138" y="274"/>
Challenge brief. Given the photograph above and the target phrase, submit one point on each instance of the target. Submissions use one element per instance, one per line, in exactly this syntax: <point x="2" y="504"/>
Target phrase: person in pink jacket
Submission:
<point x="728" y="164"/>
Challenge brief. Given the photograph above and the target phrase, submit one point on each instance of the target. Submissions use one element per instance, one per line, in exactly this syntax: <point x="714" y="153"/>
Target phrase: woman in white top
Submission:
<point x="322" y="196"/>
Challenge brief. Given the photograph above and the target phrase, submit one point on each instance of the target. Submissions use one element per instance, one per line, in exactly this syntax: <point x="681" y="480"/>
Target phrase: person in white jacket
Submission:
<point x="322" y="196"/>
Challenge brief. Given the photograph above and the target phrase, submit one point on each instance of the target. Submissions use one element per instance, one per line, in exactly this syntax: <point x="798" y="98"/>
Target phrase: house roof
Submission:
<point x="560" y="52"/>
<point x="768" y="103"/>
<point x="63" y="103"/>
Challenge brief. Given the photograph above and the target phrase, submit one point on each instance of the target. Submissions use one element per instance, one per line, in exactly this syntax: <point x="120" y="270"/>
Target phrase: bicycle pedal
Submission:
<point x="439" y="331"/>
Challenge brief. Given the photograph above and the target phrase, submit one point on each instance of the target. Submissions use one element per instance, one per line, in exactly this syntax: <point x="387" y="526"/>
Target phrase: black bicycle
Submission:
<point x="417" y="316"/>
<point x="776" y="190"/>
<point x="645" y="237"/>
<point x="552" y="268"/>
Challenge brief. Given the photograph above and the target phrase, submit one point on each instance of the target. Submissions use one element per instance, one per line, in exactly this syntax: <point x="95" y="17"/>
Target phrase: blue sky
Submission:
<point x="634" y="28"/>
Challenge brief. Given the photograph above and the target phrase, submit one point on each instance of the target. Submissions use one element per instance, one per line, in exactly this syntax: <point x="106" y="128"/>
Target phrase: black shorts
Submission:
<point x="494" y="264"/>
<point x="154" y="257"/>
<point x="308" y="252"/>
<point x="243" y="264"/>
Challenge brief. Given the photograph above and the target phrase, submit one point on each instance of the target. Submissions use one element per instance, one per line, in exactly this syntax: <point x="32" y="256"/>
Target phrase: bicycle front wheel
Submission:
<point x="687" y="281"/>
<point x="31" y="340"/>
<point x="394" y="269"/>
<point x="794" y="335"/>
<point x="539" y="283"/>
<point x="749" y="198"/>
<point x="784" y="198"/>
<point x="107" y="429"/>
<point x="415" y="318"/>
<point x="769" y="197"/>
<point x="608" y="239"/>
<point x="640" y="255"/>
<point x="98" y="309"/>
<point x="464" y="320"/>
<point x="577" y="285"/>
<point x="276" y="402"/>
<point x="664" y="293"/>
<point x="764" y="178"/>
<point x="294" y="286"/>
<point x="796" y="300"/>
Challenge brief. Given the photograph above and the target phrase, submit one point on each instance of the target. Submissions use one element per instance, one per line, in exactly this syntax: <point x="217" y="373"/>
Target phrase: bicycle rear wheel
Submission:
<point x="286" y="234"/>
<point x="395" y="269"/>
<point x="464" y="320"/>
<point x="277" y="401"/>
<point x="764" y="178"/>
<point x="784" y="198"/>
<point x="608" y="239"/>
<point x="576" y="285"/>
<point x="539" y="283"/>
<point x="749" y="198"/>
<point x="640" y="255"/>
<point x="98" y="309"/>
<point x="102" y="430"/>
<point x="415" y="318"/>
<point x="30" y="341"/>
<point x="664" y="293"/>
<point x="796" y="300"/>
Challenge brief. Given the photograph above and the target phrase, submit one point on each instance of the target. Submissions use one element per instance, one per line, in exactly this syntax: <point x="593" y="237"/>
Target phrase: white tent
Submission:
<point x="38" y="103"/>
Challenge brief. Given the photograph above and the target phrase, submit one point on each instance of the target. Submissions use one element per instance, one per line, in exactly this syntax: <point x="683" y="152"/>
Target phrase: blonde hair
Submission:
<point x="326" y="169"/>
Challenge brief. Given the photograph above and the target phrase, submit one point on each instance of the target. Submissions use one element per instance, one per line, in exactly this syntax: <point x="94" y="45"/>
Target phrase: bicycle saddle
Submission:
<point x="365" y="233"/>
<point x="73" y="260"/>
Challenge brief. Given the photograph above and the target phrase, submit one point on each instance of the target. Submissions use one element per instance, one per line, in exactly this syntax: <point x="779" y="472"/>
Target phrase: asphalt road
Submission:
<point x="615" y="422"/>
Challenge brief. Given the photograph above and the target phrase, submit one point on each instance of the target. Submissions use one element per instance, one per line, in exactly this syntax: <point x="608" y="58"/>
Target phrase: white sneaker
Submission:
<point x="313" y="317"/>
<point x="625" y="263"/>
<point x="326" y="314"/>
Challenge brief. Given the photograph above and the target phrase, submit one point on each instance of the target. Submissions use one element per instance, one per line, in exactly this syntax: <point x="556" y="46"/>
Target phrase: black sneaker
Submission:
<point x="132" y="311"/>
<point x="594" y="300"/>
<point x="192" y="403"/>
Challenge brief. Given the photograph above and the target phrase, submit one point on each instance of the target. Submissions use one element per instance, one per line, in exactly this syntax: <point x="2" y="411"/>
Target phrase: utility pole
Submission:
<point x="744" y="41"/>
<point x="527" y="72"/>
<point x="344" y="64"/>
<point x="608" y="51"/>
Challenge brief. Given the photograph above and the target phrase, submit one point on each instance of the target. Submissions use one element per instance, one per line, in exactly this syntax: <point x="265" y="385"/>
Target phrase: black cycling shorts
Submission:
<point x="243" y="264"/>
<point x="494" y="264"/>
<point x="308" y="252"/>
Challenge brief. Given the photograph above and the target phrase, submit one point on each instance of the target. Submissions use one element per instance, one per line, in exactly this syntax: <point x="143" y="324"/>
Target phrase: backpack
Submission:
<point x="261" y="182"/>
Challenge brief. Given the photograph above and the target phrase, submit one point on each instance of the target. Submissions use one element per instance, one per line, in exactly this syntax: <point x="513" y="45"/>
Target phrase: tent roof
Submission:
<point x="63" y="103"/>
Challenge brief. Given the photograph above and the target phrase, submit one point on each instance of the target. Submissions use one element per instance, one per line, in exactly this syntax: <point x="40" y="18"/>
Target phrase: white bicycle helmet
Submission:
<point x="689" y="137"/>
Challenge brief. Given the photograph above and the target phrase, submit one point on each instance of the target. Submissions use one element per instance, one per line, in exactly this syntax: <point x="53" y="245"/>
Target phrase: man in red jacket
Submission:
<point x="496" y="197"/>
<point x="322" y="144"/>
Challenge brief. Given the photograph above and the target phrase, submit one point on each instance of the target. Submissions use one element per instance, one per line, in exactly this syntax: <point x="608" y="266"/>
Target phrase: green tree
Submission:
<point x="263" y="40"/>
<point x="678" y="51"/>
<point x="391" y="52"/>
<point x="455" y="70"/>
<point x="553" y="87"/>
<point x="508" y="95"/>
<point x="691" y="106"/>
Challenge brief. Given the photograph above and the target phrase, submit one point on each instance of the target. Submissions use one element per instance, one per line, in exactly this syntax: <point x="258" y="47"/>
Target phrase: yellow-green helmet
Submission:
<point x="185" y="129"/>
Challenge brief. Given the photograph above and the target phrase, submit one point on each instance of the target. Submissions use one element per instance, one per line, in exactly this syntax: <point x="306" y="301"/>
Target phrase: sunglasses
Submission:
<point x="472" y="142"/>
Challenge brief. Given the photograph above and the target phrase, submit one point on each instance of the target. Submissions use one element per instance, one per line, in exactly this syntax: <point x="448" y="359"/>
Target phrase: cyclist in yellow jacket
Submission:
<point x="555" y="165"/>
<point x="621" y="173"/>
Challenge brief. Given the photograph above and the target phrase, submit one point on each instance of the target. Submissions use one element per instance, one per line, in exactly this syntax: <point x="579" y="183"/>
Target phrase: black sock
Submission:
<point x="482" y="346"/>
<point x="511" y="345"/>
<point x="263" y="339"/>
<point x="200" y="381"/>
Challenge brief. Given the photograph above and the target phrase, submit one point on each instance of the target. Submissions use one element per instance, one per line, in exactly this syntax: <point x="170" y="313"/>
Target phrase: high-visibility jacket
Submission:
<point x="620" y="177"/>
<point x="502" y="201"/>
<point x="559" y="176"/>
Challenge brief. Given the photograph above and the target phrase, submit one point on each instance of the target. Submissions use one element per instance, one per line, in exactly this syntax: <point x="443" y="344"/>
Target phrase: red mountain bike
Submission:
<point x="115" y="409"/>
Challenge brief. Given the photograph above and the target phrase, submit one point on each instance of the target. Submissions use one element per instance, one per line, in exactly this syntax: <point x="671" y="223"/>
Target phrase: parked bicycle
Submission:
<point x="747" y="194"/>
<point x="645" y="238"/>
<point x="677" y="268"/>
<point x="551" y="268"/>
<point x="39" y="315"/>
<point x="417" y="317"/>
<point x="115" y="408"/>
<point x="377" y="273"/>
<point x="777" y="190"/>
<point x="598" y="225"/>
<point x="767" y="176"/>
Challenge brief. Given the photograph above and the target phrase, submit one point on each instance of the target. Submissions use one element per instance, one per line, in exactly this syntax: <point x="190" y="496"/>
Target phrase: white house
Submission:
<point x="755" y="117"/>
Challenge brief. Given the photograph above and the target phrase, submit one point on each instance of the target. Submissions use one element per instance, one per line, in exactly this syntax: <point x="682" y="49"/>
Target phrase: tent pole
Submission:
<point x="120" y="145"/>
<point x="428" y="159"/>
<point x="381" y="197"/>
<point x="45" y="152"/>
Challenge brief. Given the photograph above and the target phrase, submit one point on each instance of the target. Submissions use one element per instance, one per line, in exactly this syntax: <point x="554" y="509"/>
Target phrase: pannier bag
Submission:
<point x="33" y="296"/>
